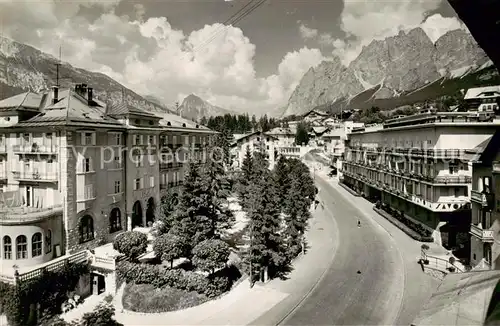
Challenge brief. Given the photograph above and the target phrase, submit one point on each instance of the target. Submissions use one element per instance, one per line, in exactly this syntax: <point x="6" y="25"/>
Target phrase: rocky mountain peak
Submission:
<point x="396" y="65"/>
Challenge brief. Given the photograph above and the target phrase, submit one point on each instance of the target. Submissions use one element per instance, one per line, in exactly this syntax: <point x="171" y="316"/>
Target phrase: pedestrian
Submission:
<point x="359" y="223"/>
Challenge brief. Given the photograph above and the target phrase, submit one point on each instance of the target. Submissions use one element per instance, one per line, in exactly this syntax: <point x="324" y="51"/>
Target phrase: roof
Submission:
<point x="479" y="91"/>
<point x="487" y="150"/>
<point x="317" y="112"/>
<point x="461" y="299"/>
<point x="255" y="133"/>
<point x="281" y="131"/>
<point x="26" y="101"/>
<point x="125" y="109"/>
<point x="319" y="130"/>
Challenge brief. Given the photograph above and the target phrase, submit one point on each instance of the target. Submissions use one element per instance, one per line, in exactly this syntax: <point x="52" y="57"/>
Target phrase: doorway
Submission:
<point x="98" y="284"/>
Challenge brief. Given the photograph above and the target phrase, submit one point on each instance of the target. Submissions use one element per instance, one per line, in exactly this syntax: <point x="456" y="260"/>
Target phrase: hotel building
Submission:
<point x="421" y="165"/>
<point x="74" y="172"/>
<point x="256" y="141"/>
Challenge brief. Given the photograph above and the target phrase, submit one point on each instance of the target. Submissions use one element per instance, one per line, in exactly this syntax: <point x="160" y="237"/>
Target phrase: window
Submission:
<point x="117" y="187"/>
<point x="26" y="139"/>
<point x="118" y="139"/>
<point x="87" y="138"/>
<point x="151" y="140"/>
<point x="137" y="184"/>
<point x="86" y="229"/>
<point x="87" y="166"/>
<point x="118" y="162"/>
<point x="151" y="182"/>
<point x="89" y="192"/>
<point x="7" y="248"/>
<point x="137" y="139"/>
<point x="36" y="245"/>
<point x="21" y="247"/>
<point x="48" y="242"/>
<point x="453" y="168"/>
<point x="115" y="220"/>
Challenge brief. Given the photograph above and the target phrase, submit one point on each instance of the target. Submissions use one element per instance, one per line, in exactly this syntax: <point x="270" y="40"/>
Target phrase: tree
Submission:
<point x="224" y="140"/>
<point x="282" y="178"/>
<point x="267" y="250"/>
<point x="190" y="215"/>
<point x="103" y="315"/>
<point x="211" y="255"/>
<point x="131" y="243"/>
<point x="168" y="248"/>
<point x="302" y="134"/>
<point x="164" y="211"/>
<point x="245" y="176"/>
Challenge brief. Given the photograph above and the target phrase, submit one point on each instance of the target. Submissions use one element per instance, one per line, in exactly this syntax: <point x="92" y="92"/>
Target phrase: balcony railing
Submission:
<point x="3" y="148"/>
<point x="35" y="176"/>
<point x="485" y="199"/>
<point x="483" y="235"/>
<point x="33" y="148"/>
<point x="496" y="167"/>
<point x="452" y="179"/>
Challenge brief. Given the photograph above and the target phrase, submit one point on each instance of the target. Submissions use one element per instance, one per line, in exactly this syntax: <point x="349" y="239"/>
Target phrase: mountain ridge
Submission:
<point x="388" y="69"/>
<point x="195" y="108"/>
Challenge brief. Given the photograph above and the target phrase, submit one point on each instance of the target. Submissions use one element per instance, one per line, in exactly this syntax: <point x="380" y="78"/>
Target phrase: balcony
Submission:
<point x="35" y="176"/>
<point x="486" y="200"/>
<point x="19" y="215"/>
<point x="483" y="235"/>
<point x="34" y="148"/>
<point x="3" y="148"/>
<point x="452" y="179"/>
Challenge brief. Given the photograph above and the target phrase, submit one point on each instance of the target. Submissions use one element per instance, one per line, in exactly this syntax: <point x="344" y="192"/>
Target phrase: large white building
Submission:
<point x="256" y="141"/>
<point x="421" y="165"/>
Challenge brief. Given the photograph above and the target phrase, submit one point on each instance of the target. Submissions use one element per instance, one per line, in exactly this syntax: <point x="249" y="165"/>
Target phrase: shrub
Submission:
<point x="101" y="316"/>
<point x="132" y="244"/>
<point x="217" y="286"/>
<point x="210" y="255"/>
<point x="168" y="247"/>
<point x="452" y="260"/>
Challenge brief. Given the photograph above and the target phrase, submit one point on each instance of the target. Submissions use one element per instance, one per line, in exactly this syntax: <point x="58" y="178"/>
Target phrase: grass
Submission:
<point x="148" y="299"/>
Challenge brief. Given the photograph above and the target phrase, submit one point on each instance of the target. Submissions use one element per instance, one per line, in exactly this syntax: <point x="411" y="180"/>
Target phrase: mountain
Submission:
<point x="392" y="72"/>
<point x="23" y="68"/>
<point x="195" y="108"/>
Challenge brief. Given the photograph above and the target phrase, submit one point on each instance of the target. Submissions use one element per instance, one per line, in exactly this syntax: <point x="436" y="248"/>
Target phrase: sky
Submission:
<point x="172" y="48"/>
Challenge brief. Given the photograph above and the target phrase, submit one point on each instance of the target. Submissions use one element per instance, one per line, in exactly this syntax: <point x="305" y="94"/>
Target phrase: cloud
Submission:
<point x="153" y="57"/>
<point x="307" y="32"/>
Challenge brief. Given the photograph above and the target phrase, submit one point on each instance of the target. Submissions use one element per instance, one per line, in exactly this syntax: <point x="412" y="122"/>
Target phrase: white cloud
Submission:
<point x="152" y="57"/>
<point x="307" y="32"/>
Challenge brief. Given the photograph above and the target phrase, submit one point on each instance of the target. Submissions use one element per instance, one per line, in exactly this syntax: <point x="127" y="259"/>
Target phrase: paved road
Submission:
<point x="345" y="297"/>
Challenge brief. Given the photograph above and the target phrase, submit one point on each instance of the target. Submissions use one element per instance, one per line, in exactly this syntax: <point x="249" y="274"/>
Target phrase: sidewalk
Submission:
<point x="419" y="286"/>
<point x="242" y="305"/>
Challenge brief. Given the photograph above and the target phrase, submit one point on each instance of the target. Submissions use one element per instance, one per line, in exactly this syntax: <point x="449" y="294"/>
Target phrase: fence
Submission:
<point x="439" y="263"/>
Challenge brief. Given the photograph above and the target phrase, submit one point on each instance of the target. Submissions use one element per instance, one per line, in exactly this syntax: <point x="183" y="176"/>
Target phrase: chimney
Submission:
<point x="55" y="93"/>
<point x="89" y="95"/>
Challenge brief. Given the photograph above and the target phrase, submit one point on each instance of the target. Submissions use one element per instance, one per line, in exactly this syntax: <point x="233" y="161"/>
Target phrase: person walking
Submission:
<point x="359" y="223"/>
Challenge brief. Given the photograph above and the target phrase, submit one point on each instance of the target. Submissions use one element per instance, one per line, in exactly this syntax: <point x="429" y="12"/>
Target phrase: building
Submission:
<point x="315" y="117"/>
<point x="256" y="141"/>
<point x="421" y="165"/>
<point x="284" y="136"/>
<point x="483" y="99"/>
<point x="75" y="172"/>
<point x="485" y="202"/>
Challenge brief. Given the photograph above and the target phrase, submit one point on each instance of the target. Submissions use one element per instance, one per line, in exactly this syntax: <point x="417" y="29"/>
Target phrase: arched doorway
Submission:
<point x="137" y="214"/>
<point x="115" y="220"/>
<point x="150" y="211"/>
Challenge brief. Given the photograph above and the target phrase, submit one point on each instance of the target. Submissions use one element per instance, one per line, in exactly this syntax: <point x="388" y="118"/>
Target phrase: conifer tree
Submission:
<point x="282" y="179"/>
<point x="190" y="215"/>
<point x="244" y="178"/>
<point x="267" y="249"/>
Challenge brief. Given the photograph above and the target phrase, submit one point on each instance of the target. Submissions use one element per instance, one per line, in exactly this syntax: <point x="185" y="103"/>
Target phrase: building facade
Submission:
<point x="75" y="172"/>
<point x="485" y="200"/>
<point x="421" y="165"/>
<point x="257" y="141"/>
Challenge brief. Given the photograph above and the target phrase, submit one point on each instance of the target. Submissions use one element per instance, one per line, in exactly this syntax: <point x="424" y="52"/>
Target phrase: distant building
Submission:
<point x="483" y="99"/>
<point x="285" y="136"/>
<point x="315" y="116"/>
<point x="256" y="141"/>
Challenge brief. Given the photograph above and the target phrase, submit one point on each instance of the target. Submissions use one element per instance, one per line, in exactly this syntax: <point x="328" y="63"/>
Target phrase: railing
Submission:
<point x="106" y="262"/>
<point x="53" y="265"/>
<point x="484" y="235"/>
<point x="3" y="148"/>
<point x="440" y="264"/>
<point x="485" y="199"/>
<point x="25" y="214"/>
<point x="35" y="148"/>
<point x="458" y="179"/>
<point x="18" y="175"/>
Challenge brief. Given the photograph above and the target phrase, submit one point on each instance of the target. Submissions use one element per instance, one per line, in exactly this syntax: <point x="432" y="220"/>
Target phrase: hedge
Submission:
<point x="176" y="278"/>
<point x="414" y="230"/>
<point x="49" y="290"/>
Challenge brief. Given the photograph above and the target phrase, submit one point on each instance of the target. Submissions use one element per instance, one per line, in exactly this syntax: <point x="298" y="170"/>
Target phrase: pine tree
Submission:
<point x="224" y="140"/>
<point x="191" y="213"/>
<point x="217" y="189"/>
<point x="282" y="179"/>
<point x="267" y="249"/>
<point x="302" y="134"/>
<point x="244" y="178"/>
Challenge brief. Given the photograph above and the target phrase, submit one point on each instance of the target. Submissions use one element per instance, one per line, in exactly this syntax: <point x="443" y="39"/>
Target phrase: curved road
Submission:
<point x="344" y="296"/>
